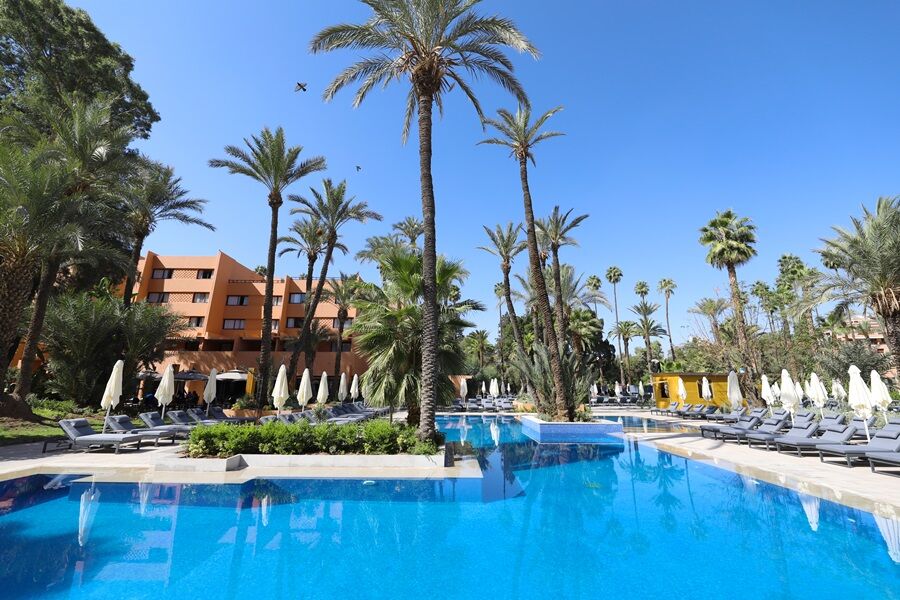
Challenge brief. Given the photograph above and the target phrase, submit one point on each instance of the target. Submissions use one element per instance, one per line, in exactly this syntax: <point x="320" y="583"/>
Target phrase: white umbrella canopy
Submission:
<point x="817" y="393"/>
<point x="705" y="390"/>
<point x="280" y="391"/>
<point x="767" y="394"/>
<point x="509" y="388"/>
<point x="304" y="392"/>
<point x="322" y="395"/>
<point x="113" y="390"/>
<point x="354" y="388"/>
<point x="859" y="397"/>
<point x="618" y="389"/>
<point x="807" y="391"/>
<point x="209" y="392"/>
<point x="483" y="389"/>
<point x="734" y="392"/>
<point x="776" y="390"/>
<point x="593" y="390"/>
<point x="342" y="388"/>
<point x="790" y="400"/>
<point x="463" y="390"/>
<point x="495" y="388"/>
<point x="641" y="387"/>
<point x="166" y="389"/>
<point x="682" y="391"/>
<point x="881" y="396"/>
<point x="799" y="390"/>
<point x="837" y="390"/>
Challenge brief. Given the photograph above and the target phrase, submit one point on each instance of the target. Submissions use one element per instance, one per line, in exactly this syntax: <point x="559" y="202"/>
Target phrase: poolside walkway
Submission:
<point x="857" y="487"/>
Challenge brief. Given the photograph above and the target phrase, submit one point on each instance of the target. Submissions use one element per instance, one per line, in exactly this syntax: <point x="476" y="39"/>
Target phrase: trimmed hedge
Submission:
<point x="372" y="437"/>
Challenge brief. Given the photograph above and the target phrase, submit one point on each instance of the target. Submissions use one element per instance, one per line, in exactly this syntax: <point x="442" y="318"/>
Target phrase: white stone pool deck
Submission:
<point x="857" y="487"/>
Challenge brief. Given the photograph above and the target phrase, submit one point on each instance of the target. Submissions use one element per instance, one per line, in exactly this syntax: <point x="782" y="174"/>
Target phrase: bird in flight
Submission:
<point x="358" y="168"/>
<point x="301" y="87"/>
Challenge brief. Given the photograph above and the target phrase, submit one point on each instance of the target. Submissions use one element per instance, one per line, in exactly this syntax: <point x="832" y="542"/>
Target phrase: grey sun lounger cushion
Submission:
<point x="885" y="440"/>
<point x="658" y="411"/>
<point x="834" y="434"/>
<point x="731" y="417"/>
<point x="123" y="424"/>
<point x="797" y="431"/>
<point x="746" y="422"/>
<point x="179" y="417"/>
<point x="200" y="417"/>
<point x="770" y="425"/>
<point x="153" y="420"/>
<point x="80" y="433"/>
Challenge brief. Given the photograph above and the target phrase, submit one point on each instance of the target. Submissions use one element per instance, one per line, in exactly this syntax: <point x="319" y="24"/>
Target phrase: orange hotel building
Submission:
<point x="222" y="301"/>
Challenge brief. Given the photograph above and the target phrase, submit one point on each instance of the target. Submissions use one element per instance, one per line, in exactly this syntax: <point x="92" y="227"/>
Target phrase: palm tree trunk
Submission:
<point x="669" y="329"/>
<point x="561" y="321"/>
<point x="131" y="278"/>
<point x="563" y="409"/>
<point x="892" y="337"/>
<point x="310" y="312"/>
<point x="501" y="343"/>
<point x="428" y="399"/>
<point x="627" y="365"/>
<point x="340" y="348"/>
<point x="15" y="289"/>
<point x="511" y="313"/>
<point x="618" y="338"/>
<point x="310" y="267"/>
<point x="536" y="324"/>
<point x="49" y="270"/>
<point x="741" y="328"/>
<point x="265" y="338"/>
<point x="648" y="351"/>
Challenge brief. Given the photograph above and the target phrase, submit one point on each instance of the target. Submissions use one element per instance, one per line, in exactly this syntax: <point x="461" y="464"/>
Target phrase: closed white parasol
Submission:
<point x="495" y="388"/>
<point x="859" y="397"/>
<point x="735" y="398"/>
<point x="280" y="390"/>
<point x="881" y="397"/>
<point x="166" y="389"/>
<point x="304" y="392"/>
<point x="342" y="388"/>
<point x="113" y="390"/>
<point x="354" y="388"/>
<point x="705" y="390"/>
<point x="817" y="393"/>
<point x="767" y="394"/>
<point x="322" y="395"/>
<point x="682" y="391"/>
<point x="209" y="392"/>
<point x="790" y="400"/>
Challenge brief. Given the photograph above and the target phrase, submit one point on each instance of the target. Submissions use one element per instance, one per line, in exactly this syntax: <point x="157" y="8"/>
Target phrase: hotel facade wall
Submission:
<point x="223" y="301"/>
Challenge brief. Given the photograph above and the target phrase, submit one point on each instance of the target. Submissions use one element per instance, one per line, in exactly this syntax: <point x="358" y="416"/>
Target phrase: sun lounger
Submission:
<point x="123" y="424"/>
<point x="179" y="417"/>
<point x="154" y="421"/>
<point x="770" y="425"/>
<point x="884" y="460"/>
<point x="731" y="417"/>
<point x="703" y="412"/>
<point x="803" y="430"/>
<point x="694" y="411"/>
<point x="200" y="416"/>
<point x="82" y="435"/>
<point x="885" y="440"/>
<point x="834" y="434"/>
<point x="659" y="411"/>
<point x="746" y="423"/>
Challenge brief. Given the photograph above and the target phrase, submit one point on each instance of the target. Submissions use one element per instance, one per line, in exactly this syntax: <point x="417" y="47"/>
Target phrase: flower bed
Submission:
<point x="373" y="437"/>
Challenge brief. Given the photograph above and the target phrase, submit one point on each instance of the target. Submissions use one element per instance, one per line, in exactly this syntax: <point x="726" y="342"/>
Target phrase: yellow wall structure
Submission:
<point x="665" y="388"/>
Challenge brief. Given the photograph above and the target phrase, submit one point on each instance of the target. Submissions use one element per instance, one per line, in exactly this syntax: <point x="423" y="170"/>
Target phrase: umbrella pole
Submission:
<point x="108" y="408"/>
<point x="163" y="417"/>
<point x="866" y="425"/>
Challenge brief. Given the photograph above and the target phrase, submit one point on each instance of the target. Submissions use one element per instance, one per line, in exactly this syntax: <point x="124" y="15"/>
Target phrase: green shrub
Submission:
<point x="374" y="437"/>
<point x="53" y="409"/>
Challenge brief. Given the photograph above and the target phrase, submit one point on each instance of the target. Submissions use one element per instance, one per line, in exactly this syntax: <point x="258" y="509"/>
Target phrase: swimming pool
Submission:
<point x="645" y="424"/>
<point x="566" y="521"/>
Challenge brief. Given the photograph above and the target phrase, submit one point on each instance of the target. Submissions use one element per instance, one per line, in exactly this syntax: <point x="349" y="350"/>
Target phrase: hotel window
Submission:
<point x="336" y="323"/>
<point x="664" y="389"/>
<point x="237" y="300"/>
<point x="162" y="273"/>
<point x="276" y="300"/>
<point x="158" y="297"/>
<point x="201" y="297"/>
<point x="275" y="326"/>
<point x="195" y="321"/>
<point x="204" y="273"/>
<point x="293" y="323"/>
<point x="297" y="298"/>
<point x="233" y="324"/>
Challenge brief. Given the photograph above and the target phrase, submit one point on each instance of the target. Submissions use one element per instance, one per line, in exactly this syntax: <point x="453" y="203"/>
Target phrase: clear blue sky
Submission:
<point x="788" y="113"/>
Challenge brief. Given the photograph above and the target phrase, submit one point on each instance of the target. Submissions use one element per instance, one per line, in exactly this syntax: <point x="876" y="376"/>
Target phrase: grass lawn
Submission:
<point x="17" y="431"/>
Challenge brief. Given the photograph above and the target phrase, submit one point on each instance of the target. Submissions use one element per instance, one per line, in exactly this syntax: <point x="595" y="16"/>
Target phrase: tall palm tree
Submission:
<point x="641" y="289"/>
<point x="410" y="228"/>
<point x="431" y="44"/>
<point x="593" y="284"/>
<point x="730" y="240"/>
<point x="520" y="134"/>
<point x="306" y="239"/>
<point x="379" y="246"/>
<point x="341" y="292"/>
<point x="583" y="326"/>
<point x="614" y="277"/>
<point x="506" y="245"/>
<point x="867" y="261"/>
<point x="554" y="230"/>
<point x="666" y="287"/>
<point x="270" y="161"/>
<point x="649" y="328"/>
<point x="479" y="342"/>
<point x="333" y="210"/>
<point x="155" y="195"/>
<point x="712" y="309"/>
<point x="498" y="292"/>
<point x="625" y="331"/>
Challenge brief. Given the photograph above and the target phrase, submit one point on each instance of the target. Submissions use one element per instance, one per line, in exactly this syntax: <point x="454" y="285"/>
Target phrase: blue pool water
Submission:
<point x="547" y="521"/>
<point x="645" y="424"/>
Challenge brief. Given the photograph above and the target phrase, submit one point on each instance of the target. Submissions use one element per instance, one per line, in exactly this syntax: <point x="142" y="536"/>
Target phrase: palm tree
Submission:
<point x="307" y="240"/>
<point x="431" y="44"/>
<point x="333" y="210"/>
<point x="479" y="342"/>
<point x="270" y="161"/>
<point x="505" y="245"/>
<point x="712" y="309"/>
<point x="319" y="333"/>
<point x="593" y="284"/>
<point x="341" y="293"/>
<point x="648" y="327"/>
<point x="625" y="331"/>
<point x="666" y="287"/>
<point x="642" y="289"/>
<point x="521" y="135"/>
<point x="498" y="292"/>
<point x="614" y="277"/>
<point x="155" y="195"/>
<point x="583" y="326"/>
<point x="730" y="240"/>
<point x="411" y="228"/>
<point x="554" y="230"/>
<point x="867" y="261"/>
<point x="379" y="246"/>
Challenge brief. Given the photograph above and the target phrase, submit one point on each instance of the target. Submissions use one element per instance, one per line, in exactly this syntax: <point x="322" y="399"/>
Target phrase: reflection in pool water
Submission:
<point x="547" y="520"/>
